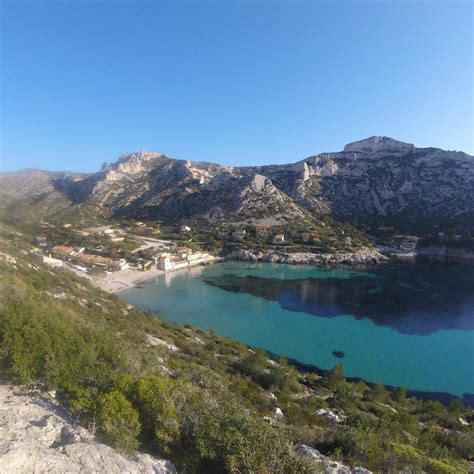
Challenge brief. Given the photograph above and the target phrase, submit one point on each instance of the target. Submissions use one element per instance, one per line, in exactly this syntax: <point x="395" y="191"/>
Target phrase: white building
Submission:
<point x="52" y="262"/>
<point x="169" y="263"/>
<point x="184" y="229"/>
<point x="279" y="239"/>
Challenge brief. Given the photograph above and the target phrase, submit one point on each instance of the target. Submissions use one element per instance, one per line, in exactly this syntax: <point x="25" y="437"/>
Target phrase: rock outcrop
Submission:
<point x="36" y="435"/>
<point x="325" y="464"/>
<point x="362" y="257"/>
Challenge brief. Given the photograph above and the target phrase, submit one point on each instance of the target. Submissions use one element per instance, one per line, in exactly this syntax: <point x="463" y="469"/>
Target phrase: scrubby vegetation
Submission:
<point x="207" y="403"/>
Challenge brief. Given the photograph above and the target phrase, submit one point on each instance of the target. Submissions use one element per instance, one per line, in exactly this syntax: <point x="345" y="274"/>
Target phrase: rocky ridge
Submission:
<point x="378" y="179"/>
<point x="36" y="435"/>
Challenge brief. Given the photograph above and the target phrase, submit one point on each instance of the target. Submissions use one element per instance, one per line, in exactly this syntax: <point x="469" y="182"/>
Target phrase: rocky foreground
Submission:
<point x="362" y="257"/>
<point x="36" y="435"/>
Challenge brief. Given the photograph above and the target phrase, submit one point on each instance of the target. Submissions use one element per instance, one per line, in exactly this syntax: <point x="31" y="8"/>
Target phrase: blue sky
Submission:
<point x="238" y="83"/>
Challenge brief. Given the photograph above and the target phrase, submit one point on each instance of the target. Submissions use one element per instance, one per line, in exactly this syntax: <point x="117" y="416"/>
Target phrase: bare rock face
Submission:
<point x="379" y="144"/>
<point x="38" y="436"/>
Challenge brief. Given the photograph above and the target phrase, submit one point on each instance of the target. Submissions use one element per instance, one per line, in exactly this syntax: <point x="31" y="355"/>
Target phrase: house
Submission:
<point x="309" y="236"/>
<point x="185" y="229"/>
<point x="279" y="239"/>
<point x="114" y="264"/>
<point x="238" y="234"/>
<point x="261" y="230"/>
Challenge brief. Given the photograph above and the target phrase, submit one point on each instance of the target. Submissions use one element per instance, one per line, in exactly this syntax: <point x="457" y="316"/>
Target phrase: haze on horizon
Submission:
<point x="235" y="83"/>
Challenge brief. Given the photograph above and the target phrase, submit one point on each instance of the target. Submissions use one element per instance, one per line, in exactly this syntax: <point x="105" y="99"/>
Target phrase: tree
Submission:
<point x="379" y="392"/>
<point x="400" y="394"/>
<point x="334" y="377"/>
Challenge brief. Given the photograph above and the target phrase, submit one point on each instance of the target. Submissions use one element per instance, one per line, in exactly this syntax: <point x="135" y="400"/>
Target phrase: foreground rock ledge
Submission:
<point x="36" y="436"/>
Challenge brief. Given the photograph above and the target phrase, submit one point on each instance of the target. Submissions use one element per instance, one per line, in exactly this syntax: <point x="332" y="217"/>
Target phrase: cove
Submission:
<point x="406" y="324"/>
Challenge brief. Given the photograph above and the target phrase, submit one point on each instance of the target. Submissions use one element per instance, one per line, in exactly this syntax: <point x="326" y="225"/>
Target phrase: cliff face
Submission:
<point x="38" y="436"/>
<point x="374" y="180"/>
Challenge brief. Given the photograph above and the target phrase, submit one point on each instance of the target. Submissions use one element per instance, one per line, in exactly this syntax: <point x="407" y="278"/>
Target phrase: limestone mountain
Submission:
<point x="377" y="180"/>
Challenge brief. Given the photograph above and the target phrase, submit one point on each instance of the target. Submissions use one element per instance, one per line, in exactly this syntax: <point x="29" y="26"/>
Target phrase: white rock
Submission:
<point x="328" y="414"/>
<point x="156" y="341"/>
<point x="38" y="436"/>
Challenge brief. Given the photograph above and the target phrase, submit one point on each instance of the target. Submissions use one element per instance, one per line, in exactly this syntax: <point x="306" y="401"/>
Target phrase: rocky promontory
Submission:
<point x="361" y="257"/>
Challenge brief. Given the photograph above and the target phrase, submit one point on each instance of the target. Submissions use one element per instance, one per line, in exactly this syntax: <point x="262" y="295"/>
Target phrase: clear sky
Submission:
<point x="239" y="83"/>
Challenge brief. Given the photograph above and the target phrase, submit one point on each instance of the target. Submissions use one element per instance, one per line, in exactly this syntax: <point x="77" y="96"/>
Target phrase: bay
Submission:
<point x="407" y="324"/>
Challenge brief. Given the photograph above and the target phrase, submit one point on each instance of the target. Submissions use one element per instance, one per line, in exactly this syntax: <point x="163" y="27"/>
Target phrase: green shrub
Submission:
<point x="153" y="395"/>
<point x="118" y="421"/>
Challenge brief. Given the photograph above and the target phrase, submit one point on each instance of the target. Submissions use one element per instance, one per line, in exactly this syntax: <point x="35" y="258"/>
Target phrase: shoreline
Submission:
<point x="366" y="256"/>
<point x="117" y="282"/>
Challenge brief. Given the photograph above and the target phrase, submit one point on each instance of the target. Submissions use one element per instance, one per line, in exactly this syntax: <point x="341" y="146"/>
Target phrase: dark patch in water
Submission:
<point x="401" y="299"/>
<point x="338" y="354"/>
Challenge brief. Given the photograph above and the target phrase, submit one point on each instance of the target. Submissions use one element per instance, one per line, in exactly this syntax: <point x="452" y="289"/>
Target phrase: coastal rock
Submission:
<point x="364" y="256"/>
<point x="36" y="435"/>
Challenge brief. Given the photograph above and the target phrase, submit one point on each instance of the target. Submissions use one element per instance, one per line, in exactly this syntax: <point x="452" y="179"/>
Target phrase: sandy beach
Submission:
<point x="119" y="281"/>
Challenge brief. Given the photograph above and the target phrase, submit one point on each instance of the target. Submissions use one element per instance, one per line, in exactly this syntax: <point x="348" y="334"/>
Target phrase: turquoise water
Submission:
<point x="405" y="324"/>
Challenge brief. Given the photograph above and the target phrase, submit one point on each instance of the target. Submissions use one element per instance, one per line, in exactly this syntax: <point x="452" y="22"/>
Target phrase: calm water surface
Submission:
<point x="406" y="324"/>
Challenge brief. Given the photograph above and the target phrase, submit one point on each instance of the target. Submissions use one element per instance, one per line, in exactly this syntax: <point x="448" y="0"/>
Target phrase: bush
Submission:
<point x="118" y="421"/>
<point x="153" y="396"/>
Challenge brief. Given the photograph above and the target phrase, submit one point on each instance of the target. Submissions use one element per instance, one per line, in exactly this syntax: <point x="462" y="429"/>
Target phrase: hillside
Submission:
<point x="373" y="182"/>
<point x="206" y="403"/>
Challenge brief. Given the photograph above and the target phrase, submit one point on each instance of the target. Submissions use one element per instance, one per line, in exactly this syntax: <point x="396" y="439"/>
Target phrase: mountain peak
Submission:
<point x="378" y="144"/>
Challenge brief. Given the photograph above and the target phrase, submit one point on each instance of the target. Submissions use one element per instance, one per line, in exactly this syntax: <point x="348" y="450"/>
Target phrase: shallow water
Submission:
<point x="406" y="324"/>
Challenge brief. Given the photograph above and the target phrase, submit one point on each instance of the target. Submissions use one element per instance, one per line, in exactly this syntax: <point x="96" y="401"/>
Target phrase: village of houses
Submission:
<point x="151" y="257"/>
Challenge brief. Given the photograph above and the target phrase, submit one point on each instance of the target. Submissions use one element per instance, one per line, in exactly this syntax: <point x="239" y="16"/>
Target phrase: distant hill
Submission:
<point x="374" y="181"/>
